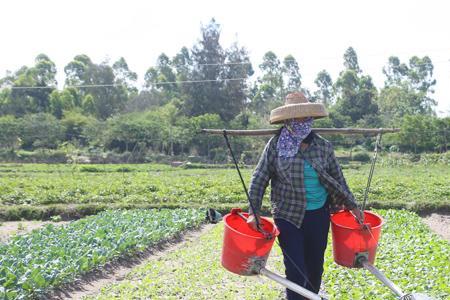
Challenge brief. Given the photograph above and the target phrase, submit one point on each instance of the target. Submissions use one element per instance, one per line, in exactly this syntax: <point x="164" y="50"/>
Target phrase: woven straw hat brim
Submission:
<point x="298" y="110"/>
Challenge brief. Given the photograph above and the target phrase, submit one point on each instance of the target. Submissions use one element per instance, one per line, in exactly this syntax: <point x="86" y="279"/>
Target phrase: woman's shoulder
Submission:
<point x="274" y="139"/>
<point x="323" y="142"/>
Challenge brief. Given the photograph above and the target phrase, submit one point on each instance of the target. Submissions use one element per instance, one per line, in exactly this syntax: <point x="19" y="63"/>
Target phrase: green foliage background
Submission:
<point x="101" y="109"/>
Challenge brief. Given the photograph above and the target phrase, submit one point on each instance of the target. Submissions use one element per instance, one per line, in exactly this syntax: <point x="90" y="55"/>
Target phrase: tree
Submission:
<point x="9" y="133"/>
<point x="108" y="94"/>
<point x="395" y="71"/>
<point x="78" y="71"/>
<point x="351" y="60"/>
<point x="420" y="74"/>
<point x="407" y="88"/>
<point x="212" y="65"/>
<point x="124" y="76"/>
<point x="208" y="58"/>
<point x="75" y="124"/>
<point x="31" y="87"/>
<point x="269" y="89"/>
<point x="325" y="92"/>
<point x="44" y="75"/>
<point x="41" y="130"/>
<point x="183" y="64"/>
<point x="238" y="68"/>
<point x="291" y="71"/>
<point x="56" y="105"/>
<point x="145" y="100"/>
<point x="416" y="133"/>
<point x="356" y="93"/>
<point x="204" y="144"/>
<point x="164" y="74"/>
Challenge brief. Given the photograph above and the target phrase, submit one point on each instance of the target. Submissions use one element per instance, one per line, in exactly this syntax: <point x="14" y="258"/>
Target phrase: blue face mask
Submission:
<point x="292" y="135"/>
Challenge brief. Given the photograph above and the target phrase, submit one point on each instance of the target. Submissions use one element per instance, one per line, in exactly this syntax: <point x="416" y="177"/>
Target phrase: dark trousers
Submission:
<point x="304" y="248"/>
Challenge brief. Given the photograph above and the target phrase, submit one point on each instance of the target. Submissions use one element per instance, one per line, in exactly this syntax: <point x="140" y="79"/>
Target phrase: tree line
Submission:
<point x="208" y="85"/>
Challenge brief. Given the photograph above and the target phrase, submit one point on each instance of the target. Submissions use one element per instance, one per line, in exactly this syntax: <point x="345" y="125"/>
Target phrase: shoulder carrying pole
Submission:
<point x="332" y="131"/>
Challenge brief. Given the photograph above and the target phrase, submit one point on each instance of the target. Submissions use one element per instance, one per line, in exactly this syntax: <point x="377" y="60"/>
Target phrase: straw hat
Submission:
<point x="297" y="106"/>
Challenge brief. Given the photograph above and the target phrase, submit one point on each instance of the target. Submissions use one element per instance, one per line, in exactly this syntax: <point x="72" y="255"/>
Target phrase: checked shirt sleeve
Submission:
<point x="335" y="170"/>
<point x="260" y="179"/>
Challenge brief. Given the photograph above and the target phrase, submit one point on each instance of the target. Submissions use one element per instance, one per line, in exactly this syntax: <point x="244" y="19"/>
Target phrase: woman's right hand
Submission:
<point x="251" y="220"/>
<point x="358" y="214"/>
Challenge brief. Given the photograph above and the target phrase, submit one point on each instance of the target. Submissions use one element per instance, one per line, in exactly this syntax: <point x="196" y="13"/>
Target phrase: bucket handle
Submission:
<point x="238" y="211"/>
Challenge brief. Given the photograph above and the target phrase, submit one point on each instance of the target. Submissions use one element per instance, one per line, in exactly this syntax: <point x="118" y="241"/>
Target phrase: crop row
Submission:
<point x="415" y="187"/>
<point x="409" y="254"/>
<point x="30" y="264"/>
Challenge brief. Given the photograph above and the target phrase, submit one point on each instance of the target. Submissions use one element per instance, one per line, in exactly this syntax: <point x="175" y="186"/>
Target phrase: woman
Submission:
<point x="306" y="181"/>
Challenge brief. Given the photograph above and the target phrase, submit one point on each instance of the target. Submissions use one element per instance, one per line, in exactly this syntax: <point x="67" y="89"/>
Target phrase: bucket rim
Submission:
<point x="365" y="212"/>
<point x="275" y="230"/>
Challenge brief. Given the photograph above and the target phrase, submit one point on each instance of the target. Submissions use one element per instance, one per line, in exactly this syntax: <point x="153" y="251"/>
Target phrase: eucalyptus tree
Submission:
<point x="28" y="89"/>
<point x="356" y="93"/>
<point x="269" y="87"/>
<point x="291" y="72"/>
<point x="325" y="93"/>
<point x="104" y="89"/>
<point x="217" y="76"/>
<point x="408" y="88"/>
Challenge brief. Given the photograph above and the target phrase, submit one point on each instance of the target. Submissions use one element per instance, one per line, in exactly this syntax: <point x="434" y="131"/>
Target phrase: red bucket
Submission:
<point x="351" y="240"/>
<point x="246" y="250"/>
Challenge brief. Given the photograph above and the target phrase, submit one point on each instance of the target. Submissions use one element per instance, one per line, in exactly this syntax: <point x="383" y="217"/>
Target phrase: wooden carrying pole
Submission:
<point x="256" y="132"/>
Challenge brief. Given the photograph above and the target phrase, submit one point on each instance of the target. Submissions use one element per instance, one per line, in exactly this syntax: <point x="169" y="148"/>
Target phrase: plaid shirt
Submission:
<point x="288" y="195"/>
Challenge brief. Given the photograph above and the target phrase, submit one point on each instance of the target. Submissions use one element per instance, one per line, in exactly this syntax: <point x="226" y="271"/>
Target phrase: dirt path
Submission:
<point x="11" y="228"/>
<point x="439" y="224"/>
<point x="92" y="283"/>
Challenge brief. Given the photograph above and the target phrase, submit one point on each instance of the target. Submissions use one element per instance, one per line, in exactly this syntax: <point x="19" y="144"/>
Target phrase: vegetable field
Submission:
<point x="27" y="187"/>
<point x="416" y="259"/>
<point x="33" y="264"/>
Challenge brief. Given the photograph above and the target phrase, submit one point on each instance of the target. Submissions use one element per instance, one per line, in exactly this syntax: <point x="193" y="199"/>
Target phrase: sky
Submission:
<point x="316" y="33"/>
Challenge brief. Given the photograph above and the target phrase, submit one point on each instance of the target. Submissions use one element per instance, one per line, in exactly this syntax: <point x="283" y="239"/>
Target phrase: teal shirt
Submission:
<point x="316" y="195"/>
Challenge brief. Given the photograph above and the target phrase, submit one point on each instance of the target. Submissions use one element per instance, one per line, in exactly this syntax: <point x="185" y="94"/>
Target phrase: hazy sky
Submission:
<point x="315" y="32"/>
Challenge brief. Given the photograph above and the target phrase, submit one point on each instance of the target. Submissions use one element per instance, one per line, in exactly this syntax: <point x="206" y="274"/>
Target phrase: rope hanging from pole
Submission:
<point x="372" y="167"/>
<point x="240" y="176"/>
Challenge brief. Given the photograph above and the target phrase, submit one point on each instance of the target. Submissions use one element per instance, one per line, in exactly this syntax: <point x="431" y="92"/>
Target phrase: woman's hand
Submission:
<point x="358" y="214"/>
<point x="251" y="220"/>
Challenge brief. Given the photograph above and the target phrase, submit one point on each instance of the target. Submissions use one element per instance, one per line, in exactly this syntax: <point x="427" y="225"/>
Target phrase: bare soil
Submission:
<point x="11" y="228"/>
<point x="91" y="283"/>
<point x="440" y="224"/>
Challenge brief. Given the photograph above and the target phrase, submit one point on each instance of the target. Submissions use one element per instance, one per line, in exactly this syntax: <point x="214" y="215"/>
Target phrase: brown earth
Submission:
<point x="11" y="228"/>
<point x="440" y="224"/>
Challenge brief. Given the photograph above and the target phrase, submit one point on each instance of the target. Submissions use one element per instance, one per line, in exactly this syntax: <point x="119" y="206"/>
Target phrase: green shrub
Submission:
<point x="359" y="148"/>
<point x="394" y="148"/>
<point x="124" y="169"/>
<point x="219" y="155"/>
<point x="250" y="157"/>
<point x="91" y="169"/>
<point x="42" y="156"/>
<point x="414" y="157"/>
<point x="361" y="156"/>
